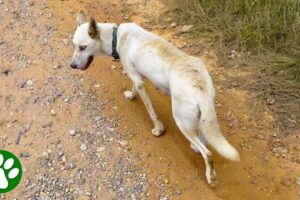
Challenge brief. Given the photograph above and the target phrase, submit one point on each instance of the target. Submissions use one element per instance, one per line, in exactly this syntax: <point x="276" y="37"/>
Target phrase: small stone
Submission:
<point x="72" y="132"/>
<point x="71" y="166"/>
<point x="178" y="192"/>
<point x="173" y="25"/>
<point x="219" y="105"/>
<point x="60" y="154"/>
<point x="286" y="182"/>
<point x="280" y="150"/>
<point x="133" y="196"/>
<point x="186" y="28"/>
<point x="24" y="155"/>
<point x="83" y="147"/>
<point x="66" y="42"/>
<point x="123" y="143"/>
<point x="45" y="154"/>
<point x="53" y="113"/>
<point x="270" y="101"/>
<point x="81" y="181"/>
<point x="6" y="72"/>
<point x="298" y="180"/>
<point x="113" y="67"/>
<point x="164" y="198"/>
<point x="64" y="159"/>
<point x="29" y="83"/>
<point x="253" y="181"/>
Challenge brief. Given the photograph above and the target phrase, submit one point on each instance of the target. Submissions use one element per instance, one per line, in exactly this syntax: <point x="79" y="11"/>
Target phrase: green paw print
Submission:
<point x="10" y="171"/>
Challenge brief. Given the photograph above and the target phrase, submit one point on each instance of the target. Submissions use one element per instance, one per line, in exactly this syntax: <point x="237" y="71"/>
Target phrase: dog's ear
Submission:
<point x="81" y="18"/>
<point x="93" y="29"/>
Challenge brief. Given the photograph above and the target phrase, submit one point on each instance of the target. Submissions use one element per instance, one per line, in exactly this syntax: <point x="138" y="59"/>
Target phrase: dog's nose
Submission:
<point x="73" y="65"/>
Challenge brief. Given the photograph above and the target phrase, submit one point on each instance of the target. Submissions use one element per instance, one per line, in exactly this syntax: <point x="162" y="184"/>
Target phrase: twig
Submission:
<point x="22" y="132"/>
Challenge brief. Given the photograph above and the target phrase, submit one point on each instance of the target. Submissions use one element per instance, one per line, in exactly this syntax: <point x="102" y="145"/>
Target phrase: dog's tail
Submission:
<point x="211" y="131"/>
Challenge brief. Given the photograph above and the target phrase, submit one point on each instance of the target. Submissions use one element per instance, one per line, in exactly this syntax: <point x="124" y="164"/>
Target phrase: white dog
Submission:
<point x="183" y="77"/>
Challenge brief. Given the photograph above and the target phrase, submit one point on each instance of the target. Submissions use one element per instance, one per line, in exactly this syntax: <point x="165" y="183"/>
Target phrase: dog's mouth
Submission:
<point x="89" y="62"/>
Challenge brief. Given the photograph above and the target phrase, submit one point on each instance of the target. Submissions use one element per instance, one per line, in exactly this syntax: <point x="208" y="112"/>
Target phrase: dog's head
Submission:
<point x="86" y="42"/>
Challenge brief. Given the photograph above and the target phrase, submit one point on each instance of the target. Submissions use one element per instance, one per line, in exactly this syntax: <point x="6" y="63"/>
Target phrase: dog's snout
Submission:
<point x="73" y="65"/>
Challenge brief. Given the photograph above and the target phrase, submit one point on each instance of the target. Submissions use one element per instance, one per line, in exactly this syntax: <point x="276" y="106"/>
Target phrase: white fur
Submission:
<point x="185" y="78"/>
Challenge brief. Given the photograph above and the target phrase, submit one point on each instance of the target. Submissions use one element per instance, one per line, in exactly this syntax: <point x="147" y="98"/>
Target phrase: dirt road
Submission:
<point x="82" y="140"/>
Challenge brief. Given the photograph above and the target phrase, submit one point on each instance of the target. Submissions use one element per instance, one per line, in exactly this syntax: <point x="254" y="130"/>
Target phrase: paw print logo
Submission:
<point x="10" y="171"/>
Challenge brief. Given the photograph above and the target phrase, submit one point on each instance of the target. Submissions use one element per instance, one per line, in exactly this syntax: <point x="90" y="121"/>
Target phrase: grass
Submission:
<point x="258" y="27"/>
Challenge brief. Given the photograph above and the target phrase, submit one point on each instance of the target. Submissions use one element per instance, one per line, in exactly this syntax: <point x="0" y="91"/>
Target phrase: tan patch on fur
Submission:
<point x="167" y="51"/>
<point x="180" y="61"/>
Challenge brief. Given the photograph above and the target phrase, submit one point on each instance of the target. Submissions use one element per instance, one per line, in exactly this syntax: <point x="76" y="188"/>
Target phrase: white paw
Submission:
<point x="11" y="174"/>
<point x="129" y="95"/>
<point x="212" y="178"/>
<point x="159" y="128"/>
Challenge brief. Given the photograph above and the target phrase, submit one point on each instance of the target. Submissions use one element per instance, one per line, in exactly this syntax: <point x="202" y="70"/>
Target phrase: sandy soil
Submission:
<point x="82" y="140"/>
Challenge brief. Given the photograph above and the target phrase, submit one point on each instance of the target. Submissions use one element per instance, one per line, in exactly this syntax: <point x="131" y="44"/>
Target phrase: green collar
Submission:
<point x="114" y="52"/>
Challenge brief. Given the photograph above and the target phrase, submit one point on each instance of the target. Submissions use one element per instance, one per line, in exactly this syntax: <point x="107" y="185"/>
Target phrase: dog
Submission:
<point x="185" y="78"/>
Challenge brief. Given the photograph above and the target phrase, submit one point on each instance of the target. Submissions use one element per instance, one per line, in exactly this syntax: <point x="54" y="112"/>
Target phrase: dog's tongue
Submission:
<point x="91" y="58"/>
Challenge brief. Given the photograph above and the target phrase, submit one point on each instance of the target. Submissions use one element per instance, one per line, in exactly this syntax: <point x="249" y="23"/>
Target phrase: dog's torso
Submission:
<point x="158" y="60"/>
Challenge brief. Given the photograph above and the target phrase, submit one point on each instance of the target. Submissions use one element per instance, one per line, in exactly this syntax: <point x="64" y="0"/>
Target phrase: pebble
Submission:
<point x="24" y="155"/>
<point x="72" y="132"/>
<point x="286" y="182"/>
<point x="298" y="180"/>
<point x="219" y="105"/>
<point x="83" y="147"/>
<point x="81" y="181"/>
<point x="66" y="42"/>
<point x="64" y="159"/>
<point x="186" y="28"/>
<point x="280" y="150"/>
<point x="53" y="113"/>
<point x="123" y="143"/>
<point x="174" y="24"/>
<point x="45" y="154"/>
<point x="164" y="198"/>
<point x="178" y="192"/>
<point x="29" y="83"/>
<point x="133" y="196"/>
<point x="60" y="154"/>
<point x="71" y="165"/>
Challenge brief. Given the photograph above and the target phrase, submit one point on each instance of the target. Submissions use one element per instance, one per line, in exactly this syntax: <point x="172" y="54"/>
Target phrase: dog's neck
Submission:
<point x="106" y="37"/>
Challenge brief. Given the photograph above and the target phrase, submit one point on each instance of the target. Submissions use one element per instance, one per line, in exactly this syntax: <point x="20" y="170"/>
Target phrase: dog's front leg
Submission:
<point x="139" y="86"/>
<point x="158" y="126"/>
<point x="131" y="94"/>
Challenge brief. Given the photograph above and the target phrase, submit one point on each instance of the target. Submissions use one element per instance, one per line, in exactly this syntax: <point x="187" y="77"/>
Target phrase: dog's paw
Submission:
<point x="212" y="178"/>
<point x="159" y="129"/>
<point x="129" y="95"/>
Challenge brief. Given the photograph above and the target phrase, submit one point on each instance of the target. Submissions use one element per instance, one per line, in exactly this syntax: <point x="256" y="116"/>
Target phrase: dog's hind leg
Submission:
<point x="187" y="120"/>
<point x="131" y="94"/>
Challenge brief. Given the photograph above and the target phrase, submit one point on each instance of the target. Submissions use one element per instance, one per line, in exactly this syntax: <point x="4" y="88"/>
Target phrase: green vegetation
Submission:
<point x="263" y="27"/>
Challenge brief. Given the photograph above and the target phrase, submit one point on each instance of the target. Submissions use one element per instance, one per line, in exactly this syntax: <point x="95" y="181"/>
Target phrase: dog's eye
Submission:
<point x="82" y="48"/>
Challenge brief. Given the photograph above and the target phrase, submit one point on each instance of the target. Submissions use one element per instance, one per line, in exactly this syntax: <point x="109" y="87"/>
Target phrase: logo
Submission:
<point x="10" y="171"/>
